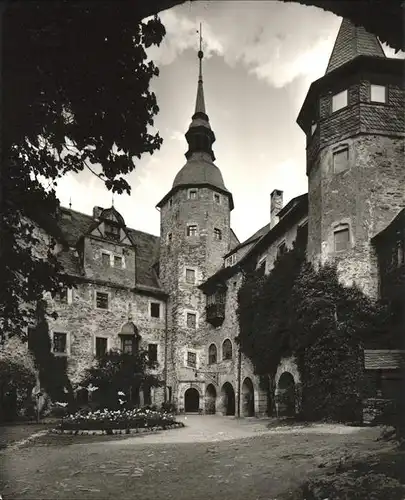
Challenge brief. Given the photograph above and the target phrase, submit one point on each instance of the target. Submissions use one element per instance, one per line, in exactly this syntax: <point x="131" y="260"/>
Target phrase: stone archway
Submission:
<point x="248" y="398"/>
<point x="210" y="400"/>
<point x="286" y="395"/>
<point x="228" y="399"/>
<point x="191" y="400"/>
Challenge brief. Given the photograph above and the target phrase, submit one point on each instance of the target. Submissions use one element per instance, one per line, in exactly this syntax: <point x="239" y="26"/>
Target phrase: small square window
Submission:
<point x="339" y="101"/>
<point x="192" y="230"/>
<point x="217" y="234"/>
<point x="155" y="309"/>
<point x="378" y="93"/>
<point x="341" y="160"/>
<point x="191" y="359"/>
<point x="192" y="194"/>
<point x="217" y="198"/>
<point x="118" y="261"/>
<point x="59" y="343"/>
<point x="101" y="346"/>
<point x="231" y="260"/>
<point x="169" y="238"/>
<point x="341" y="239"/>
<point x="101" y="300"/>
<point x="105" y="259"/>
<point x="191" y="320"/>
<point x="111" y="231"/>
<point x="152" y="353"/>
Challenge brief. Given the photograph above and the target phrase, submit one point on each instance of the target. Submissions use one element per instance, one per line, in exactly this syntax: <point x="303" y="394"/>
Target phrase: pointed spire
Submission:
<point x="200" y="102"/>
<point x="70" y="203"/>
<point x="353" y="41"/>
<point x="199" y="136"/>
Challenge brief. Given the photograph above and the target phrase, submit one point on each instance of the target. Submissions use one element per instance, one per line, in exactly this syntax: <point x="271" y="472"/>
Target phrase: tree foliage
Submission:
<point x="298" y="310"/>
<point x="75" y="83"/>
<point x="118" y="372"/>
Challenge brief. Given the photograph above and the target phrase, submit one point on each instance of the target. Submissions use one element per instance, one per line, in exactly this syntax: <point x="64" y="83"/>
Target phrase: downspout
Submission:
<point x="239" y="380"/>
<point x="165" y="364"/>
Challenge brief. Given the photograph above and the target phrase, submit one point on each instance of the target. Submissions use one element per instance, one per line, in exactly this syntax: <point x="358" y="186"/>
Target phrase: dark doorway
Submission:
<point x="210" y="400"/>
<point x="228" y="397"/>
<point x="191" y="400"/>
<point x="248" y="398"/>
<point x="286" y="395"/>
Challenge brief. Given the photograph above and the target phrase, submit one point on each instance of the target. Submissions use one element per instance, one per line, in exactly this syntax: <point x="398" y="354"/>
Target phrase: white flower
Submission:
<point x="120" y="393"/>
<point x="61" y="404"/>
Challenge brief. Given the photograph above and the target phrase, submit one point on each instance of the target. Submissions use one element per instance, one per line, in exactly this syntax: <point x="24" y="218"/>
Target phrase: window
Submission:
<point x="59" y="343"/>
<point x="63" y="295"/>
<point x="378" y="93"/>
<point x="192" y="194"/>
<point x="191" y="320"/>
<point x="190" y="276"/>
<point x="217" y="198"/>
<point x="212" y="354"/>
<point x="105" y="259"/>
<point x="281" y="249"/>
<point x="111" y="231"/>
<point x="341" y="239"/>
<point x="155" y="309"/>
<point x="191" y="359"/>
<point x="169" y="238"/>
<point x="217" y="234"/>
<point x="118" y="261"/>
<point x="152" y="353"/>
<point x="101" y="300"/>
<point x="231" y="260"/>
<point x="170" y="202"/>
<point x="128" y="344"/>
<point x="313" y="128"/>
<point x="400" y="255"/>
<point x="339" y="101"/>
<point x="192" y="230"/>
<point x="227" y="349"/>
<point x="341" y="160"/>
<point x="101" y="346"/>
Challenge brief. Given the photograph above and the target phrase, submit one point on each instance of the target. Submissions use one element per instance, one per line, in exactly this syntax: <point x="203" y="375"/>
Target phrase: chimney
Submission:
<point x="97" y="211"/>
<point x="276" y="204"/>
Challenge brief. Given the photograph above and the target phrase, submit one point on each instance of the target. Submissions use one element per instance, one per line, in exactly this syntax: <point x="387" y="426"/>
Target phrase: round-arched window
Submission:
<point x="212" y="354"/>
<point x="227" y="349"/>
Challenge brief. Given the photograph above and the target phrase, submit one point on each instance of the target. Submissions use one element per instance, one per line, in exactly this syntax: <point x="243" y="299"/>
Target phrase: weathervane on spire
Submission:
<point x="112" y="199"/>
<point x="200" y="52"/>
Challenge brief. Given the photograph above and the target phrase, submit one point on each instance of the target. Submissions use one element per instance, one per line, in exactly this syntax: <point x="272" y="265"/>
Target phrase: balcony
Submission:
<point x="215" y="314"/>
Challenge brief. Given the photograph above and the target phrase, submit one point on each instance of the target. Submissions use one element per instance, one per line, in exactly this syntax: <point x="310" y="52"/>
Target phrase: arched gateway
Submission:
<point x="286" y="395"/>
<point x="210" y="400"/>
<point x="191" y="400"/>
<point x="228" y="399"/>
<point x="248" y="398"/>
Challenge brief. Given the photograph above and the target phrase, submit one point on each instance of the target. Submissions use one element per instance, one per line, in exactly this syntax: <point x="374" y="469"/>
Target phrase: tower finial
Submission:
<point x="112" y="199"/>
<point x="200" y="104"/>
<point x="70" y="202"/>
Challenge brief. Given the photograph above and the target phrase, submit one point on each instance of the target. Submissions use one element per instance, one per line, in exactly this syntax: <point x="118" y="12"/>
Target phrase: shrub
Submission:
<point x="169" y="408"/>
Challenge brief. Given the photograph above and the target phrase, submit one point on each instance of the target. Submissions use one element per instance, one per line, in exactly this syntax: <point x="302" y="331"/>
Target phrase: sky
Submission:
<point x="260" y="58"/>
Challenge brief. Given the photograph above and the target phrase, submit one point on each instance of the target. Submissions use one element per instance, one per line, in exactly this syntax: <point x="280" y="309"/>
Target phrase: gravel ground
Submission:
<point x="212" y="458"/>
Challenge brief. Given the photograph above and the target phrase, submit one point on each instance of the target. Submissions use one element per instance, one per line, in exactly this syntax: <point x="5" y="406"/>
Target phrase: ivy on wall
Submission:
<point x="298" y="310"/>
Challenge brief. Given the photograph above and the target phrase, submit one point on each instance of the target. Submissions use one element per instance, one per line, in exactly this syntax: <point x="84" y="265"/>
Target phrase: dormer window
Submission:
<point x="111" y="231"/>
<point x="170" y="202"/>
<point x="378" y="93"/>
<point x="231" y="260"/>
<point x="339" y="101"/>
<point x="192" y="194"/>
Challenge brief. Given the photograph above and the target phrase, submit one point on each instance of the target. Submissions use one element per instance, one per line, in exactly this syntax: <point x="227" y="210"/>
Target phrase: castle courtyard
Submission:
<point x="211" y="457"/>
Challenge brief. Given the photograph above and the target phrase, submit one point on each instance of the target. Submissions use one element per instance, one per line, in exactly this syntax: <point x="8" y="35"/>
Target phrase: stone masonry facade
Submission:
<point x="179" y="291"/>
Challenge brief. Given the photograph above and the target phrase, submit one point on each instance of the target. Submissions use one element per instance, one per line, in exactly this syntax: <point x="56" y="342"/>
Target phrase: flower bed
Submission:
<point x="113" y="421"/>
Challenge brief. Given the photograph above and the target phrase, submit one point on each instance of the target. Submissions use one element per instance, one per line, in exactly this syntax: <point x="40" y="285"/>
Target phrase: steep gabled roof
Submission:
<point x="353" y="41"/>
<point x="74" y="225"/>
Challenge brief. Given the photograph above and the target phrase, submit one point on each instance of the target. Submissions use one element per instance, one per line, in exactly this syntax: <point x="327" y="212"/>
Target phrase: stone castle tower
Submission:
<point x="355" y="126"/>
<point x="195" y="235"/>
